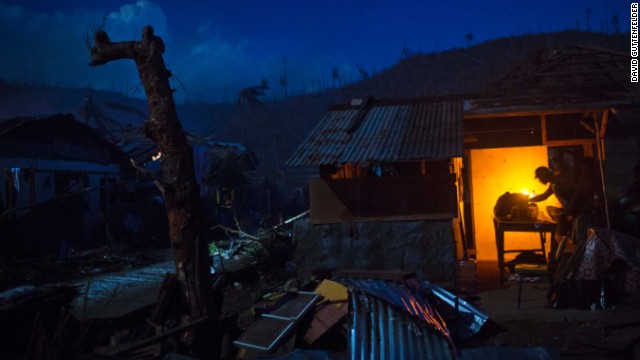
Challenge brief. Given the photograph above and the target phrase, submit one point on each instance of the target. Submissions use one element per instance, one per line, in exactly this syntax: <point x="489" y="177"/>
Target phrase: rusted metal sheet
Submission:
<point x="459" y="314"/>
<point x="405" y="297"/>
<point x="384" y="132"/>
<point x="381" y="331"/>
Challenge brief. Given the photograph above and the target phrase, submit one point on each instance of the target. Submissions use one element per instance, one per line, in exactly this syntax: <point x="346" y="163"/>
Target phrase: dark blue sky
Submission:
<point x="217" y="47"/>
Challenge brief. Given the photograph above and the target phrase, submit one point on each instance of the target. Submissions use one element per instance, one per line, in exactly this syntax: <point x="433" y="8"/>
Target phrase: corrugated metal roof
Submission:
<point x="403" y="296"/>
<point x="390" y="320"/>
<point x="466" y="319"/>
<point x="384" y="132"/>
<point x="381" y="331"/>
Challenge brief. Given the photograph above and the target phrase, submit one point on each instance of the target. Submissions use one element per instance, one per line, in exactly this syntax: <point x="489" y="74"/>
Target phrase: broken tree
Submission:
<point x="178" y="184"/>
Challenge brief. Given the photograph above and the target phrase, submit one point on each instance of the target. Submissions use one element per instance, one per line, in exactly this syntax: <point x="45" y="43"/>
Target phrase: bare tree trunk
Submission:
<point x="178" y="185"/>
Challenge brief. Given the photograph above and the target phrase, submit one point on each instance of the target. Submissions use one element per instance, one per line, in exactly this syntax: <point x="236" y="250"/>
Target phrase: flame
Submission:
<point x="529" y="194"/>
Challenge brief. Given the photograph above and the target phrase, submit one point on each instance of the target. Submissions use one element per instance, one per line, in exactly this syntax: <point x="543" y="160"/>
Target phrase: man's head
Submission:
<point x="544" y="174"/>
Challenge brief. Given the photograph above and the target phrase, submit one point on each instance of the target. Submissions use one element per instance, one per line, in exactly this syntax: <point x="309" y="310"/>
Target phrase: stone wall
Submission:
<point x="424" y="247"/>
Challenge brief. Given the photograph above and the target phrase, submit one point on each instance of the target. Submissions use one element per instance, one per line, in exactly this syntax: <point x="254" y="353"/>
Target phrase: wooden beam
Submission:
<point x="587" y="126"/>
<point x="113" y="351"/>
<point x="512" y="112"/>
<point x="603" y="125"/>
<point x="572" y="142"/>
<point x="392" y="275"/>
<point x="577" y="72"/>
<point x="543" y="128"/>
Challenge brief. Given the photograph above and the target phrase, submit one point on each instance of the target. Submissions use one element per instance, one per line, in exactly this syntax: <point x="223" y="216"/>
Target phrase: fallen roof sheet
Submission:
<point x="391" y="320"/>
<point x="402" y="295"/>
<point x="467" y="320"/>
<point x="381" y="331"/>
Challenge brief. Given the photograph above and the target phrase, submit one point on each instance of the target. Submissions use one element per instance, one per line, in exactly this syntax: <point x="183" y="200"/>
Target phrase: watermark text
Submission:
<point x="634" y="42"/>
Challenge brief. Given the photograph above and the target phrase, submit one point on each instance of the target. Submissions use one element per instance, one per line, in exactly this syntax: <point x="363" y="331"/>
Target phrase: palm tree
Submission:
<point x="335" y="76"/>
<point x="284" y="81"/>
<point x="249" y="96"/>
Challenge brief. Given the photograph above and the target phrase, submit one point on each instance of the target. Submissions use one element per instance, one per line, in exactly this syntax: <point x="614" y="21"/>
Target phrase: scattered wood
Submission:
<point x="136" y="345"/>
<point x="324" y="319"/>
<point x="167" y="298"/>
<point x="616" y="335"/>
<point x="391" y="275"/>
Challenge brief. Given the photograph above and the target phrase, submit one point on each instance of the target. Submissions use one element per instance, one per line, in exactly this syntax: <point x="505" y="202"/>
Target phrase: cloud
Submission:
<point x="128" y="21"/>
<point x="50" y="49"/>
<point x="215" y="70"/>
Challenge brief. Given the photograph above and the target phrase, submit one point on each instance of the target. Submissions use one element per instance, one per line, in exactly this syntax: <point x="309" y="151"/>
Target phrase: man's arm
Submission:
<point x="542" y="196"/>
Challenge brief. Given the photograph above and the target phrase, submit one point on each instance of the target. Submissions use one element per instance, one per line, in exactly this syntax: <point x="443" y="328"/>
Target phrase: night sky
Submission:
<point x="215" y="48"/>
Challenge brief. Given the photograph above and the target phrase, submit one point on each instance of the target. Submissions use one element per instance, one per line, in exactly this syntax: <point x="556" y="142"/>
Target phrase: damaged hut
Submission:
<point x="412" y="183"/>
<point x="552" y="109"/>
<point x="56" y="171"/>
<point x="388" y="189"/>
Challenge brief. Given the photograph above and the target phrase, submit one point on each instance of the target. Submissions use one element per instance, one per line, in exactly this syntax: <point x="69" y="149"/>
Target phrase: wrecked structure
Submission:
<point x="55" y="170"/>
<point x="401" y="186"/>
<point x="384" y="164"/>
<point x="388" y="189"/>
<point x="553" y="109"/>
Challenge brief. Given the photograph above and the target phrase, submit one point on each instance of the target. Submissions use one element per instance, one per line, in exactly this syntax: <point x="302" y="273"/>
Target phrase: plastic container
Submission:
<point x="466" y="279"/>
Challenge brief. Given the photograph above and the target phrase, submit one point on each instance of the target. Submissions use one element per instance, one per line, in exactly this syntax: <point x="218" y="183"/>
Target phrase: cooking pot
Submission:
<point x="524" y="212"/>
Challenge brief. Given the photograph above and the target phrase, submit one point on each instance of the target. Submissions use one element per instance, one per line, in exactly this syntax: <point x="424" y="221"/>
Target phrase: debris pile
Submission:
<point x="350" y="313"/>
<point x="616" y="335"/>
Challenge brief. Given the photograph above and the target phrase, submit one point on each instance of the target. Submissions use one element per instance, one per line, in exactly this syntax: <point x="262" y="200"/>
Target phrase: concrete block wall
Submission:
<point x="424" y="247"/>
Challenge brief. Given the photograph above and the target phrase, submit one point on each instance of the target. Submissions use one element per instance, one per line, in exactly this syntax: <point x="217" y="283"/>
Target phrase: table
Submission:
<point x="502" y="225"/>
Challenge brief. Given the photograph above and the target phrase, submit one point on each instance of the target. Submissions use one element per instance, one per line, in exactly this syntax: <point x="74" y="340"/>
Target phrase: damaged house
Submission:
<point x="56" y="173"/>
<point x="554" y="108"/>
<point x="388" y="192"/>
<point x="412" y="183"/>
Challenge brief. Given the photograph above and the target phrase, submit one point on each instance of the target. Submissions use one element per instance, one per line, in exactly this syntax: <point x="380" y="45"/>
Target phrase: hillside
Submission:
<point x="275" y="133"/>
<point x="455" y="71"/>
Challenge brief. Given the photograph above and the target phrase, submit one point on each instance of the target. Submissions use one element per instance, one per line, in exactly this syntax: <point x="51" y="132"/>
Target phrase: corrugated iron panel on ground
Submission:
<point x="402" y="295"/>
<point x="427" y="130"/>
<point x="380" y="331"/>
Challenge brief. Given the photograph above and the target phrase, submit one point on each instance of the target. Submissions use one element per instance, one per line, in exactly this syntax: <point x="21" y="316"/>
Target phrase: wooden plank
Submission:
<point x="393" y="275"/>
<point x="622" y="318"/>
<point x="135" y="345"/>
<point x="166" y="298"/>
<point x="573" y="142"/>
<point x="324" y="319"/>
<point x="511" y="111"/>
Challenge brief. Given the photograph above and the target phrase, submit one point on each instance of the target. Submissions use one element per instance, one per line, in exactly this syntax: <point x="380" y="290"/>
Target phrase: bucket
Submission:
<point x="466" y="276"/>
